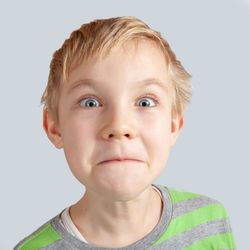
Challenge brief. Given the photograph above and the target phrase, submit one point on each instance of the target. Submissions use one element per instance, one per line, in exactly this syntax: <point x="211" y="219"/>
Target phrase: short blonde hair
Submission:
<point x="98" y="38"/>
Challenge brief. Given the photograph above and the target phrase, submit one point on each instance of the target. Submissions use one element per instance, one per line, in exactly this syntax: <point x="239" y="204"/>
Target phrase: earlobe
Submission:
<point x="52" y="129"/>
<point x="176" y="126"/>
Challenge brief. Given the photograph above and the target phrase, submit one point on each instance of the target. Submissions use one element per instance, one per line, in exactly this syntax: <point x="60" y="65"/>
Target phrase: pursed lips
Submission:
<point x="119" y="160"/>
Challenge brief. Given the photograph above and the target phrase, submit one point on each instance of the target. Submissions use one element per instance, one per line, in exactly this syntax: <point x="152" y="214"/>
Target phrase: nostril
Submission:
<point x="112" y="135"/>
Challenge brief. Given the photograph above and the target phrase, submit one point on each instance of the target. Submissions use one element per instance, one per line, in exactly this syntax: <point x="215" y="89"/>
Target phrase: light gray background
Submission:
<point x="211" y="156"/>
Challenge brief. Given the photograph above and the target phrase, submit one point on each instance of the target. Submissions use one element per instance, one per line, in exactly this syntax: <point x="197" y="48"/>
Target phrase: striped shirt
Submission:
<point x="189" y="221"/>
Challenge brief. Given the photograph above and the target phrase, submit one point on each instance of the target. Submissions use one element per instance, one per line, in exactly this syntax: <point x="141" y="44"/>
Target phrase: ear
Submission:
<point x="176" y="126"/>
<point x="52" y="129"/>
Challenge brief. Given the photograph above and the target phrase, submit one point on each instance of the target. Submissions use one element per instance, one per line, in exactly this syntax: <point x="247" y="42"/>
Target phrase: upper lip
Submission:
<point x="120" y="159"/>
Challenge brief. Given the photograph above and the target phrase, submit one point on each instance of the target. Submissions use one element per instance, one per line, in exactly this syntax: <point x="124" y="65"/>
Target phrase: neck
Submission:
<point x="98" y="219"/>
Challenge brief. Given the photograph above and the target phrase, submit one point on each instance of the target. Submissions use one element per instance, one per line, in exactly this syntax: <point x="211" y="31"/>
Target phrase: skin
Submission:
<point x="118" y="195"/>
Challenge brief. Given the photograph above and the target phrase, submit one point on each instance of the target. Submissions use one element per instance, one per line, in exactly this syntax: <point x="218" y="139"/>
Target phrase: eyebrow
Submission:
<point x="91" y="83"/>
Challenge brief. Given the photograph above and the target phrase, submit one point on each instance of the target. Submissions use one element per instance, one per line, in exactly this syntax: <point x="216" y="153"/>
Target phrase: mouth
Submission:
<point x="119" y="161"/>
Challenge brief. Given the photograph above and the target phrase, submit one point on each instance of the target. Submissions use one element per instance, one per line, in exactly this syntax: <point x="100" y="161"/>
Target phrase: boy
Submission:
<point x="115" y="101"/>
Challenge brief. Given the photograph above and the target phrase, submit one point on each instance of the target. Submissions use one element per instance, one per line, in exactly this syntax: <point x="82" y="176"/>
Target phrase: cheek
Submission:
<point x="74" y="133"/>
<point x="77" y="138"/>
<point x="158" y="128"/>
<point x="157" y="138"/>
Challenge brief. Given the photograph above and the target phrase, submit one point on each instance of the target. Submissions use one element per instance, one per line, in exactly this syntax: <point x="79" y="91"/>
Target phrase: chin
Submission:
<point x="122" y="190"/>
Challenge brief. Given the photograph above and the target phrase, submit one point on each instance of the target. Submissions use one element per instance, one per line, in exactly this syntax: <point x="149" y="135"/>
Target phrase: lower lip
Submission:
<point x="117" y="161"/>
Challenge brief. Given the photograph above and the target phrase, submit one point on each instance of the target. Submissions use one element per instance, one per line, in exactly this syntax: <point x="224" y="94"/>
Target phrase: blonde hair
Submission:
<point x="98" y="38"/>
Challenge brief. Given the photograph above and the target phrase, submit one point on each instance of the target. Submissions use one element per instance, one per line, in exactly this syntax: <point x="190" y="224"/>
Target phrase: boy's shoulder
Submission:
<point x="185" y="202"/>
<point x="43" y="236"/>
<point x="200" y="220"/>
<point x="178" y="195"/>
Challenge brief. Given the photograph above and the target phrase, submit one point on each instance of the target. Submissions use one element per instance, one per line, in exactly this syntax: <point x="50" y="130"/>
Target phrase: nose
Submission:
<point x="119" y="126"/>
<point x="119" y="133"/>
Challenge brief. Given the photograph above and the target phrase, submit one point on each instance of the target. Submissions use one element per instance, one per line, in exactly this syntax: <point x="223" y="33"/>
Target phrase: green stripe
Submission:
<point x="192" y="219"/>
<point x="42" y="238"/>
<point x="222" y="241"/>
<point x="177" y="196"/>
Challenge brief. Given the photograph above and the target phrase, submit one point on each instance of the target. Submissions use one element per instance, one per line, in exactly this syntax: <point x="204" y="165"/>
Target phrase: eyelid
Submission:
<point x="153" y="97"/>
<point x="87" y="97"/>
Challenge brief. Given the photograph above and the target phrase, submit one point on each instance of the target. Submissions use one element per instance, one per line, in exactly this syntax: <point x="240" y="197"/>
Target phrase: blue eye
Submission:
<point x="145" y="102"/>
<point x="90" y="102"/>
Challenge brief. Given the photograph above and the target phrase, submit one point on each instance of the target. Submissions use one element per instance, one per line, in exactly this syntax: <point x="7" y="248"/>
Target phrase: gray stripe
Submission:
<point x="59" y="244"/>
<point x="192" y="204"/>
<point x="195" y="234"/>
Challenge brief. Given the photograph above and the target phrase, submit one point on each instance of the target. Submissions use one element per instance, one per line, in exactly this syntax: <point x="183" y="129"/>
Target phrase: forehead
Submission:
<point x="137" y="63"/>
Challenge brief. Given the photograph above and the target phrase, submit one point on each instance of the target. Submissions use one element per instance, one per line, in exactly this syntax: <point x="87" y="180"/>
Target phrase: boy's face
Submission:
<point x="115" y="116"/>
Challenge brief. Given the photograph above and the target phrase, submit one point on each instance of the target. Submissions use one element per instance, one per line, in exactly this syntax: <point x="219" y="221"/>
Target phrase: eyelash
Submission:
<point x="90" y="96"/>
